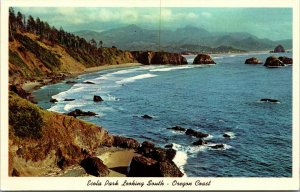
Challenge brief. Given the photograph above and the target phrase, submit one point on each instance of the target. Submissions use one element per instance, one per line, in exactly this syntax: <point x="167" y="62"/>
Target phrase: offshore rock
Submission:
<point x="148" y="149"/>
<point x="97" y="98"/>
<point x="150" y="57"/>
<point x="78" y="112"/>
<point x="200" y="142"/>
<point x="253" y="60"/>
<point x="273" y="62"/>
<point x="286" y="60"/>
<point x="279" y="49"/>
<point x="88" y="82"/>
<point x="218" y="146"/>
<point x="177" y="128"/>
<point x="53" y="100"/>
<point x="269" y="100"/>
<point x="197" y="134"/>
<point x="147" y="117"/>
<point x="203" y="59"/>
<point x="69" y="99"/>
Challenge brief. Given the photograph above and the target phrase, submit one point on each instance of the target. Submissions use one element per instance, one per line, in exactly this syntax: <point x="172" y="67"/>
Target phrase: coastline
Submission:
<point x="30" y="86"/>
<point x="116" y="159"/>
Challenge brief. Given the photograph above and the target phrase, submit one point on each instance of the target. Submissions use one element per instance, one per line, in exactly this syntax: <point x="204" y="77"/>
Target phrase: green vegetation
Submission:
<point x="45" y="56"/>
<point x="25" y="118"/>
<point x="15" y="59"/>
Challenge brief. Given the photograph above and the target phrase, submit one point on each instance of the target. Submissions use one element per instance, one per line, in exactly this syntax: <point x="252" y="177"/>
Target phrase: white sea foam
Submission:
<point x="231" y="134"/>
<point x="109" y="97"/>
<point x="226" y="146"/>
<point x="180" y="158"/>
<point x="170" y="68"/>
<point x="132" y="79"/>
<point x="209" y="137"/>
<point x="72" y="106"/>
<point x="57" y="108"/>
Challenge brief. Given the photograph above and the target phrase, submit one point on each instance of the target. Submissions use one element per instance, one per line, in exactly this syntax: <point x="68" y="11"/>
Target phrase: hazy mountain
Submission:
<point x="189" y="38"/>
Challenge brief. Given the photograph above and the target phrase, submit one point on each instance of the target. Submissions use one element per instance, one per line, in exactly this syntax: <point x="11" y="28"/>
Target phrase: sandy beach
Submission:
<point x="29" y="86"/>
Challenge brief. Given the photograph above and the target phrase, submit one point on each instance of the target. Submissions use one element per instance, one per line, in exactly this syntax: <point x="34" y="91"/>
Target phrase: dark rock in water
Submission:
<point x="286" y="60"/>
<point x="94" y="166"/>
<point x="200" y="142"/>
<point x="97" y="98"/>
<point x="253" y="60"/>
<point x="226" y="135"/>
<point x="78" y="112"/>
<point x="270" y="100"/>
<point x="218" y="146"/>
<point x="279" y="49"/>
<point x="53" y="100"/>
<point x="168" y="58"/>
<point x="203" y="59"/>
<point x="148" y="149"/>
<point x="125" y="142"/>
<point x="195" y="133"/>
<point x="15" y="173"/>
<point x="177" y="128"/>
<point x="273" y="62"/>
<point x="71" y="82"/>
<point x="147" y="117"/>
<point x="169" y="146"/>
<point x="69" y="99"/>
<point x="141" y="166"/>
<point x="88" y="82"/>
<point x="150" y="57"/>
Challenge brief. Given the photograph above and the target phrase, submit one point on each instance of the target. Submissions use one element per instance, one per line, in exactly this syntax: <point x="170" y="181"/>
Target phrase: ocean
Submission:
<point x="214" y="99"/>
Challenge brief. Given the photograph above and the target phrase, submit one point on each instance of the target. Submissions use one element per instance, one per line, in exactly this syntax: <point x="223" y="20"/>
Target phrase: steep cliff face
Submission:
<point x="40" y="141"/>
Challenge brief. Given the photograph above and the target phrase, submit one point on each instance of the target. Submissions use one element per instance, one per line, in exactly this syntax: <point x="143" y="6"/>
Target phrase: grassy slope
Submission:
<point x="57" y="140"/>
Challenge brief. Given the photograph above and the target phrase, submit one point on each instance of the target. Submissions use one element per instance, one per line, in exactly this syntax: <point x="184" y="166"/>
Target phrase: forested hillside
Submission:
<point x="37" y="49"/>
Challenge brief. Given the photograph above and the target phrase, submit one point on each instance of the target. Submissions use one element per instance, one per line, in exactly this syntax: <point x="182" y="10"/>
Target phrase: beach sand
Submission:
<point x="30" y="86"/>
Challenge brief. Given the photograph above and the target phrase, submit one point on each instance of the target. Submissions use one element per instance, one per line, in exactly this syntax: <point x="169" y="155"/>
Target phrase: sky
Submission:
<point x="272" y="23"/>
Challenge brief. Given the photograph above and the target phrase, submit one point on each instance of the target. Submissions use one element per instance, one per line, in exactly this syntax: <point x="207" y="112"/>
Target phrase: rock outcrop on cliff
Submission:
<point x="203" y="59"/>
<point x="150" y="57"/>
<point x="40" y="140"/>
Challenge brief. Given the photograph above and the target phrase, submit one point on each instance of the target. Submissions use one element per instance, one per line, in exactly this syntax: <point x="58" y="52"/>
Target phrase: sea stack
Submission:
<point x="253" y="60"/>
<point x="279" y="49"/>
<point x="203" y="59"/>
<point x="273" y="62"/>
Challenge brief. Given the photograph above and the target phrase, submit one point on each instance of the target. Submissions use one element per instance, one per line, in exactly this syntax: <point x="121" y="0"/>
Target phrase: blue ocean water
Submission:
<point x="218" y="99"/>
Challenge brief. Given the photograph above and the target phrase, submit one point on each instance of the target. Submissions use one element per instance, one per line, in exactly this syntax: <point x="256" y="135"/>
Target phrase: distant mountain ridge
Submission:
<point x="133" y="37"/>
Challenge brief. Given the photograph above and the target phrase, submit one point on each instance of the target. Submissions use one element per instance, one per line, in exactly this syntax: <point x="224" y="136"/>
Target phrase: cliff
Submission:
<point x="40" y="141"/>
